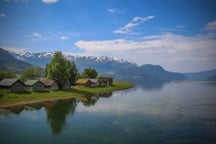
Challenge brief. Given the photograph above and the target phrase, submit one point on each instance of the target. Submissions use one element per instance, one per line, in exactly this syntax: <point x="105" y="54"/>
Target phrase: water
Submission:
<point x="169" y="113"/>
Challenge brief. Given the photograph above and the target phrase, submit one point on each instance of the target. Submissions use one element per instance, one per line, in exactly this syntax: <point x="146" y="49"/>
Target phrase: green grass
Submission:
<point x="75" y="92"/>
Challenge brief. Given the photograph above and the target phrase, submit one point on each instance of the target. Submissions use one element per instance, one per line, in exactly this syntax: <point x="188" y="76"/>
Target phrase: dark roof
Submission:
<point x="31" y="82"/>
<point x="9" y="82"/>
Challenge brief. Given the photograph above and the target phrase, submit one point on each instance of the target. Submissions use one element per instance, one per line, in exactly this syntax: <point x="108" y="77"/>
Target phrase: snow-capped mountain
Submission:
<point x="120" y="70"/>
<point x="102" y="63"/>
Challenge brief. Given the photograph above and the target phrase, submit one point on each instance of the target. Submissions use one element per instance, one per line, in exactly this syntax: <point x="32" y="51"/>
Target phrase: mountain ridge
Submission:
<point x="9" y="62"/>
<point x="119" y="69"/>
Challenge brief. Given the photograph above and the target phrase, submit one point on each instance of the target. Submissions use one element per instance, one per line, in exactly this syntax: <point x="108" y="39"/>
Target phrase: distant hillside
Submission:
<point x="146" y="74"/>
<point x="201" y="76"/>
<point x="120" y="69"/>
<point x="9" y="62"/>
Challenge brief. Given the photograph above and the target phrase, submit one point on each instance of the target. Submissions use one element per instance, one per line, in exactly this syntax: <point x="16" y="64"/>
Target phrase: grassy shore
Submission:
<point x="75" y="92"/>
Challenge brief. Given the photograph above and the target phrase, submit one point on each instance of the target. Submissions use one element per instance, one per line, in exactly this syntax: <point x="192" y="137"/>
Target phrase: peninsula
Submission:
<point x="12" y="99"/>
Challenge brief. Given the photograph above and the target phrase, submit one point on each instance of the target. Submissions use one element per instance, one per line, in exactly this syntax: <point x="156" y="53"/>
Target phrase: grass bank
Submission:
<point x="75" y="92"/>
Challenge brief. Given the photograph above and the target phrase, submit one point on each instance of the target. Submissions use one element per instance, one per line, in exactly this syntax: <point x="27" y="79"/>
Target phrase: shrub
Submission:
<point x="3" y="92"/>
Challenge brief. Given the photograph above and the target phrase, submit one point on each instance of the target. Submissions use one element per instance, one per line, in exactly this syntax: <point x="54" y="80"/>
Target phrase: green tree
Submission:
<point x="61" y="70"/>
<point x="7" y="74"/>
<point x="72" y="72"/>
<point x="89" y="73"/>
<point x="31" y="73"/>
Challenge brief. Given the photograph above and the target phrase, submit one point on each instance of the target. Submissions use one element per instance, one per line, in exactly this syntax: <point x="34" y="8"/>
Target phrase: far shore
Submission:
<point x="79" y="93"/>
<point x="197" y="82"/>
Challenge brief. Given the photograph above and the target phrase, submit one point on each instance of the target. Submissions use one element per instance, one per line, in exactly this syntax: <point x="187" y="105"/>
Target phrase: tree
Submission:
<point x="72" y="72"/>
<point x="89" y="73"/>
<point x="61" y="70"/>
<point x="31" y="73"/>
<point x="7" y="74"/>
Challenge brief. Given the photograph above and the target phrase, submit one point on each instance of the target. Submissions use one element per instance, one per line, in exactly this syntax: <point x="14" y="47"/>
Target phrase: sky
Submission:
<point x="179" y="35"/>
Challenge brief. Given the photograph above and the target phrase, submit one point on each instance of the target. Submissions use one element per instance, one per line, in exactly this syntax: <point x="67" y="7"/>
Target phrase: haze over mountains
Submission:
<point x="120" y="69"/>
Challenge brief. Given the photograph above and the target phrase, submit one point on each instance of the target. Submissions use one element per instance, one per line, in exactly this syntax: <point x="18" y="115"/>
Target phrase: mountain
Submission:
<point x="9" y="62"/>
<point x="119" y="69"/>
<point x="147" y="74"/>
<point x="201" y="76"/>
<point x="101" y="64"/>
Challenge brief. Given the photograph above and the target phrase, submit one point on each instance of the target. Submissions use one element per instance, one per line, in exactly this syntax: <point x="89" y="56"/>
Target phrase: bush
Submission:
<point x="3" y="92"/>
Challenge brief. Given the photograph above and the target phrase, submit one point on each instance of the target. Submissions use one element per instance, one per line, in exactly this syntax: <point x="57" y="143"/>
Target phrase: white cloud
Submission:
<point x="116" y="11"/>
<point x="14" y="49"/>
<point x="211" y="26"/>
<point x="2" y="15"/>
<point x="64" y="38"/>
<point x="49" y="1"/>
<point x="21" y="1"/>
<point x="135" y="22"/>
<point x="180" y="26"/>
<point x="36" y="35"/>
<point x="174" y="52"/>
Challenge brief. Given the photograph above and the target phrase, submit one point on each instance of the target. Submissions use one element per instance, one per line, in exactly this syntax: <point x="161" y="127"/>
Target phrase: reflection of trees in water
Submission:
<point x="91" y="100"/>
<point x="57" y="113"/>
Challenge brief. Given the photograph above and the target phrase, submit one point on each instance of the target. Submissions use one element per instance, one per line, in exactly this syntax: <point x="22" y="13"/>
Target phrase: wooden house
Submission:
<point x="83" y="83"/>
<point x="87" y="82"/>
<point x="12" y="85"/>
<point x="34" y="85"/>
<point x="94" y="83"/>
<point x="67" y="85"/>
<point x="105" y="81"/>
<point x="50" y="84"/>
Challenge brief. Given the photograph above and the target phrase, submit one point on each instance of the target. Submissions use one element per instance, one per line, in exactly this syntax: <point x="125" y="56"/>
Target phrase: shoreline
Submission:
<point x="78" y="93"/>
<point x="196" y="82"/>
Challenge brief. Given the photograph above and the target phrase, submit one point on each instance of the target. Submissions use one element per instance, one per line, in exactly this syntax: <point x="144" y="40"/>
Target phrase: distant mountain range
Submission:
<point x="120" y="69"/>
<point x="9" y="62"/>
<point x="201" y="76"/>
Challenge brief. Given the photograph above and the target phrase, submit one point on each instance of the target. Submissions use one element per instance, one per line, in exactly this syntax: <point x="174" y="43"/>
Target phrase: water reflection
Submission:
<point x="167" y="113"/>
<point x="91" y="100"/>
<point x="152" y="85"/>
<point x="57" y="113"/>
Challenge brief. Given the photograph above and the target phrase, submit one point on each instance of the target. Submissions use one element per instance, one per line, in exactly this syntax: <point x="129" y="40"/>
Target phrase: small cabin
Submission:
<point x="105" y="81"/>
<point x="34" y="85"/>
<point x="12" y="85"/>
<point x="67" y="85"/>
<point x="83" y="83"/>
<point x="87" y="82"/>
<point x="50" y="84"/>
<point x="94" y="83"/>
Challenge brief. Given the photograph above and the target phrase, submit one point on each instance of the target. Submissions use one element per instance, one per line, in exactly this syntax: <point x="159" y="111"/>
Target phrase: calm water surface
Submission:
<point x="169" y="113"/>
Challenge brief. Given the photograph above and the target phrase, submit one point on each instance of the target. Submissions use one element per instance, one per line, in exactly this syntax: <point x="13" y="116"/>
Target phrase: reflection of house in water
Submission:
<point x="36" y="106"/>
<point x="91" y="100"/>
<point x="15" y="109"/>
<point x="107" y="94"/>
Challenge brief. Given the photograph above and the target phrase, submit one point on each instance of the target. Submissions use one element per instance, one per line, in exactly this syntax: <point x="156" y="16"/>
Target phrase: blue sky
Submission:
<point x="179" y="35"/>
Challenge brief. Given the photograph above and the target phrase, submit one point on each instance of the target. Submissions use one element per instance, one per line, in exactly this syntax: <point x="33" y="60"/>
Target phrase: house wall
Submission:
<point x="54" y="86"/>
<point x="67" y="85"/>
<point x="38" y="87"/>
<point x="87" y="84"/>
<point x="96" y="84"/>
<point x="17" y="87"/>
